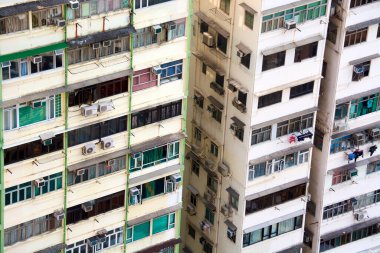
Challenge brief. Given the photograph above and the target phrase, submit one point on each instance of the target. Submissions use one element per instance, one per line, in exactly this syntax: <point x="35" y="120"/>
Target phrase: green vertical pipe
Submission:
<point x="186" y="93"/>
<point x="129" y="125"/>
<point x="2" y="193"/>
<point x="65" y="135"/>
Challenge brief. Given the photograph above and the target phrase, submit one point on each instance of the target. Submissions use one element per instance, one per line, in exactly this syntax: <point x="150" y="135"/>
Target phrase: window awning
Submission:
<point x="212" y="24"/>
<point x="248" y="8"/>
<point x="154" y="174"/>
<point x="159" y="247"/>
<point x="154" y="214"/>
<point x="280" y="153"/>
<point x="192" y="189"/>
<point x="55" y="248"/>
<point x="350" y="229"/>
<point x="274" y="221"/>
<point x="215" y="102"/>
<point x="291" y="45"/>
<point x="157" y="142"/>
<point x="232" y="192"/>
<point x="46" y="136"/>
<point x="364" y="59"/>
<point x="238" y="122"/>
<point x="31" y="6"/>
<point x="277" y="188"/>
<point x="209" y="64"/>
<point x="103" y="36"/>
<point x="230" y="225"/>
<point x="362" y="25"/>
<point x="243" y="48"/>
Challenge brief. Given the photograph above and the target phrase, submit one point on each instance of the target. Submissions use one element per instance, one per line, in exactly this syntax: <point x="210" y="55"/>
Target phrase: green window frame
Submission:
<point x="209" y="215"/>
<point x="52" y="183"/>
<point x="363" y="106"/>
<point x="163" y="223"/>
<point x="141" y="231"/>
<point x="248" y="19"/>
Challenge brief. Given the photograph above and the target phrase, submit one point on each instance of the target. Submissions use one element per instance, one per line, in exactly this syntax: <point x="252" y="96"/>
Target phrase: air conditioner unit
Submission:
<point x="134" y="191"/>
<point x="88" y="206"/>
<point x="208" y="197"/>
<point x="47" y="142"/>
<point x="171" y="26"/>
<point x="101" y="236"/>
<point x="230" y="233"/>
<point x="58" y="52"/>
<point x="240" y="54"/>
<point x="81" y="172"/>
<point x="353" y="173"/>
<point x="223" y="169"/>
<point x="211" y="108"/>
<point x="35" y="103"/>
<point x="60" y="22"/>
<point x="96" y="45"/>
<point x="156" y="70"/>
<point x="5" y="64"/>
<point x="208" y="39"/>
<point x="308" y="197"/>
<point x="156" y="29"/>
<point x="361" y="215"/>
<point x="107" y="143"/>
<point x="290" y="24"/>
<point x="37" y="59"/>
<point x="74" y="4"/>
<point x="191" y="209"/>
<point x="359" y="139"/>
<point x="89" y="110"/>
<point x="89" y="148"/>
<point x="374" y="132"/>
<point x="358" y="69"/>
<point x="106" y="106"/>
<point x="234" y="127"/>
<point x="134" y="195"/>
<point x="110" y="163"/>
<point x="59" y="214"/>
<point x="204" y="225"/>
<point x="170" y="186"/>
<point x="176" y="178"/>
<point x="136" y="155"/>
<point x="39" y="182"/>
<point x="209" y="164"/>
<point x="198" y="98"/>
<point x="226" y="210"/>
<point x="107" y="43"/>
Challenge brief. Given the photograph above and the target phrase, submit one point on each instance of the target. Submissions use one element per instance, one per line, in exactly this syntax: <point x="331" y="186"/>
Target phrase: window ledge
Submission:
<point x="31" y="76"/>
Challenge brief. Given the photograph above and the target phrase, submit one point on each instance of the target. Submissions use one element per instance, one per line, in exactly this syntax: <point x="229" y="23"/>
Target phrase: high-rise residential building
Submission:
<point x="256" y="69"/>
<point x="345" y="176"/>
<point x="93" y="119"/>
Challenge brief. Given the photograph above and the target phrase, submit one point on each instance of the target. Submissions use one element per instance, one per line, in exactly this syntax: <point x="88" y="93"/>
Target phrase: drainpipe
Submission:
<point x="2" y="189"/>
<point x="129" y="126"/>
<point x="65" y="134"/>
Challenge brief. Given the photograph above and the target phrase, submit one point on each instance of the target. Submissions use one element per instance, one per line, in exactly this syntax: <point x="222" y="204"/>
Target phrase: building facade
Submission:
<point x="256" y="72"/>
<point x="345" y="175"/>
<point x="93" y="120"/>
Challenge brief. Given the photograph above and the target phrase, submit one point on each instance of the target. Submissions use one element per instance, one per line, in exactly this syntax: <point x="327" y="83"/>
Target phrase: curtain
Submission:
<point x="141" y="231"/>
<point x="285" y="226"/>
<point x="160" y="224"/>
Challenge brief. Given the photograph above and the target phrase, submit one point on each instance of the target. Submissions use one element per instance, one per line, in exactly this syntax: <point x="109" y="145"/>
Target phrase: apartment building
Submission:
<point x="93" y="120"/>
<point x="345" y="175"/>
<point x="256" y="71"/>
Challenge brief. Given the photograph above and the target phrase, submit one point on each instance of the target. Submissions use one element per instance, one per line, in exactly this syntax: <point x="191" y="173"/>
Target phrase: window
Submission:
<point x="341" y="111"/>
<point x="357" y="3"/>
<point x="378" y="31"/>
<point x="248" y="19"/>
<point x="191" y="231"/>
<point x="300" y="14"/>
<point x="87" y="9"/>
<point x="364" y="106"/>
<point x="214" y="149"/>
<point x="154" y="156"/>
<point x="139" y="231"/>
<point x="163" y="223"/>
<point x="225" y="6"/>
<point x="348" y="237"/>
<point x="246" y="60"/>
<point x="337" y="209"/>
<point x="197" y="134"/>
<point x="175" y="29"/>
<point x="207" y="248"/>
<point x="88" y="53"/>
<point x="261" y="135"/>
<point x="212" y="182"/>
<point x="31" y="150"/>
<point x="193" y="199"/>
<point x="221" y="43"/>
<point x="340" y="177"/>
<point x="272" y="231"/>
<point x="146" y="3"/>
<point x="256" y="171"/>
<point x="273" y="60"/>
<point x="198" y="100"/>
<point x="295" y="125"/>
<point x="100" y="205"/>
<point x="14" y="23"/>
<point x="360" y="70"/>
<point x="23" y="67"/>
<point x="96" y="170"/>
<point x="270" y="99"/>
<point x="46" y="16"/>
<point x="195" y="167"/>
<point x="28" y="229"/>
<point x="204" y="68"/>
<point x="171" y="71"/>
<point x="33" y="112"/>
<point x="216" y="114"/>
<point x="234" y="201"/>
<point x="143" y="79"/>
<point x="209" y="215"/>
<point x="275" y="199"/>
<point x="91" y="94"/>
<point x="305" y="52"/>
<point x="18" y="193"/>
<point x="373" y="167"/>
<point x="356" y="37"/>
<point x="97" y="131"/>
<point x="238" y="130"/>
<point x="341" y="144"/>
<point x="156" y="114"/>
<point x="144" y="37"/>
